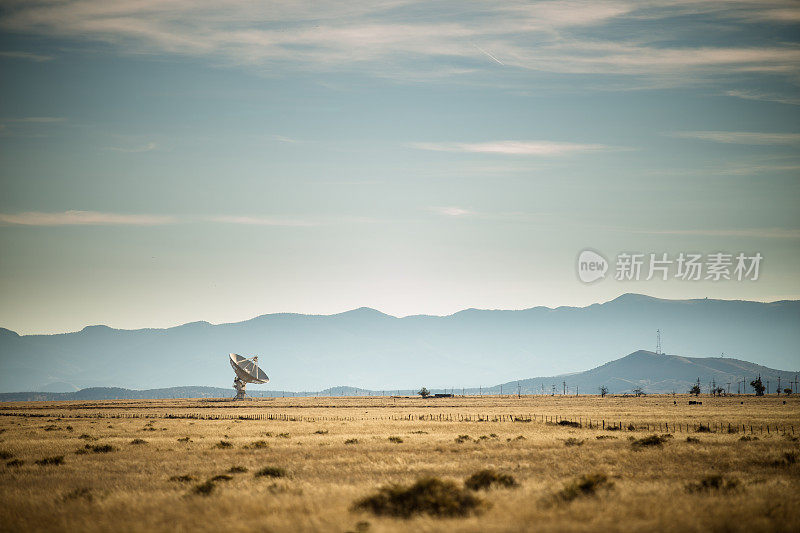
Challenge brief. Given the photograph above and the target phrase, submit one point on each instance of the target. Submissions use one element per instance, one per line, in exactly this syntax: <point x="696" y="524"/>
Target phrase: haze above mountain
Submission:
<point x="366" y="348"/>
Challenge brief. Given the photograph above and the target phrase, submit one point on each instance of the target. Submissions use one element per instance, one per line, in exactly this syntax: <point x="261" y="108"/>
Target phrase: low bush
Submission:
<point x="715" y="483"/>
<point x="184" y="439"/>
<point x="185" y="478"/>
<point x="462" y="438"/>
<point x="586" y="485"/>
<point x="86" y="436"/>
<point x="138" y="441"/>
<point x="272" y="471"/>
<point x="237" y="470"/>
<point x="693" y="440"/>
<point x="485" y="479"/>
<point x="569" y="423"/>
<point x="15" y="462"/>
<point x="204" y="489"/>
<point x="55" y="460"/>
<point x="430" y="495"/>
<point x="605" y="437"/>
<point x="573" y="442"/>
<point x="321" y="432"/>
<point x="100" y="448"/>
<point x="351" y="441"/>
<point x="223" y="444"/>
<point x="5" y="454"/>
<point x="221" y="477"/>
<point x="259" y="444"/>
<point x="396" y="440"/>
<point x="747" y="438"/>
<point x="703" y="429"/>
<point x="648" y="442"/>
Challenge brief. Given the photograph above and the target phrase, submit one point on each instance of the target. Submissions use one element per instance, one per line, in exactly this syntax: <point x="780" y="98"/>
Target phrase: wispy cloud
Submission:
<point x="261" y="220"/>
<point x="83" y="218"/>
<point x="524" y="148"/>
<point x="766" y="233"/>
<point x="384" y="37"/>
<point x="765" y="97"/>
<point x="452" y="211"/>
<point x="149" y="147"/>
<point x="740" y="137"/>
<point x="26" y="55"/>
<point x="34" y="120"/>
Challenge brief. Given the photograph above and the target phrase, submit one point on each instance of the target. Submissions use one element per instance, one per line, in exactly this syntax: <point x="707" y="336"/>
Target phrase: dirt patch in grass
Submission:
<point x="485" y="479"/>
<point x="431" y="496"/>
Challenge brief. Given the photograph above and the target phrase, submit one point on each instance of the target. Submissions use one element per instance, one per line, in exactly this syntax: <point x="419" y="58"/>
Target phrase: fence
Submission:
<point x="577" y="422"/>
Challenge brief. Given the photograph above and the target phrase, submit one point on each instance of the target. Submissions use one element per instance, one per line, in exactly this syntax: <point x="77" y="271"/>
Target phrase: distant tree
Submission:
<point x="758" y="386"/>
<point x="787" y="390"/>
<point x="603" y="391"/>
<point x="695" y="389"/>
<point x="424" y="392"/>
<point x="638" y="391"/>
<point x="719" y="391"/>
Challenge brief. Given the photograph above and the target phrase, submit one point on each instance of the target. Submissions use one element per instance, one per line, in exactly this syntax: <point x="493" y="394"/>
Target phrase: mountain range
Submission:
<point x="468" y="349"/>
<point x="649" y="371"/>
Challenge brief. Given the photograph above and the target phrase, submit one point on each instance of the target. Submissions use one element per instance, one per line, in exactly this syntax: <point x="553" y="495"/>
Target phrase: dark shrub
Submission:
<point x="321" y="432"/>
<point x="138" y="441"/>
<point x="100" y="448"/>
<point x="703" y="429"/>
<point x="237" y="470"/>
<point x="484" y="479"/>
<point x="586" y="485"/>
<point x="56" y="460"/>
<point x="713" y="482"/>
<point x="647" y="442"/>
<point x="221" y="477"/>
<point x="182" y="479"/>
<point x="86" y="436"/>
<point x="429" y="495"/>
<point x="184" y="439"/>
<point x="693" y="440"/>
<point x="15" y="462"/>
<point x="604" y="437"/>
<point x="79" y="494"/>
<point x="462" y="438"/>
<point x="272" y="471"/>
<point x="396" y="440"/>
<point x="224" y="444"/>
<point x="568" y="424"/>
<point x="5" y="455"/>
<point x="747" y="438"/>
<point x="351" y="441"/>
<point x="204" y="489"/>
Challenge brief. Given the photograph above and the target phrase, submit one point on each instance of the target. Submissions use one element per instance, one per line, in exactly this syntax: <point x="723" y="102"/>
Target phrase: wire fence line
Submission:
<point x="567" y="421"/>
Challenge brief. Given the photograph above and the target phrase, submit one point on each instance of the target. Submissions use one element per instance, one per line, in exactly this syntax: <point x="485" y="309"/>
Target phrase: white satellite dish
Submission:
<point x="247" y="371"/>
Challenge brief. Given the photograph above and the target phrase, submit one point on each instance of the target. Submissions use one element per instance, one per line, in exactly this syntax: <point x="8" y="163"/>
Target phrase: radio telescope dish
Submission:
<point x="247" y="371"/>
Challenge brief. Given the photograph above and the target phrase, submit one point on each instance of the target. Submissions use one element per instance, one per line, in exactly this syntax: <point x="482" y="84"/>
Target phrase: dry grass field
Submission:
<point x="129" y="466"/>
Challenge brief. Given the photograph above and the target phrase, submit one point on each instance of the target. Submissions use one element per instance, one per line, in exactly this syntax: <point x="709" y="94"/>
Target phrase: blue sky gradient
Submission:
<point x="168" y="162"/>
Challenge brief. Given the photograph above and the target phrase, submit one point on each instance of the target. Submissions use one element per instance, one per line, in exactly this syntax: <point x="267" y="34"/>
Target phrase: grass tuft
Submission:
<point x="204" y="489"/>
<point x="15" y="463"/>
<point x="430" y="495"/>
<point x="351" y="441"/>
<point x="237" y="470"/>
<point x="138" y="441"/>
<point x="462" y="438"/>
<point x="223" y="444"/>
<point x="396" y="440"/>
<point x="185" y="478"/>
<point x="79" y="494"/>
<point x="573" y="442"/>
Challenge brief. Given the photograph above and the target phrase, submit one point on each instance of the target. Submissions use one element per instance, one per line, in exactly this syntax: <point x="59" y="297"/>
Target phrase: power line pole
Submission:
<point x="658" y="342"/>
<point x="564" y="383"/>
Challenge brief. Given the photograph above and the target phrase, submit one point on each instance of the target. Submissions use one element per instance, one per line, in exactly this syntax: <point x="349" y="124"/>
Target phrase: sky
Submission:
<point x="168" y="162"/>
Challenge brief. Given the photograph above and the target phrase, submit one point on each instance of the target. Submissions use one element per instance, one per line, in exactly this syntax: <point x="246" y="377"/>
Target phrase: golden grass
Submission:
<point x="138" y="487"/>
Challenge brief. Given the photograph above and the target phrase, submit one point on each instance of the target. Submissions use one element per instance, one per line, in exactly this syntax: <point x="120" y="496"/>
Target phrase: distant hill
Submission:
<point x="655" y="373"/>
<point x="377" y="351"/>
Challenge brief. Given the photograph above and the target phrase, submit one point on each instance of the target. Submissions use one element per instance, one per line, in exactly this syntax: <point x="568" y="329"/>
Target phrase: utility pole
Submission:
<point x="779" y="384"/>
<point x="658" y="342"/>
<point x="564" y="383"/>
<point x="501" y="390"/>
<point x="519" y="390"/>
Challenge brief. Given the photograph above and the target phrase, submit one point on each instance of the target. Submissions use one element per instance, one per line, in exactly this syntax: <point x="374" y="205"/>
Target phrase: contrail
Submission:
<point x="488" y="54"/>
